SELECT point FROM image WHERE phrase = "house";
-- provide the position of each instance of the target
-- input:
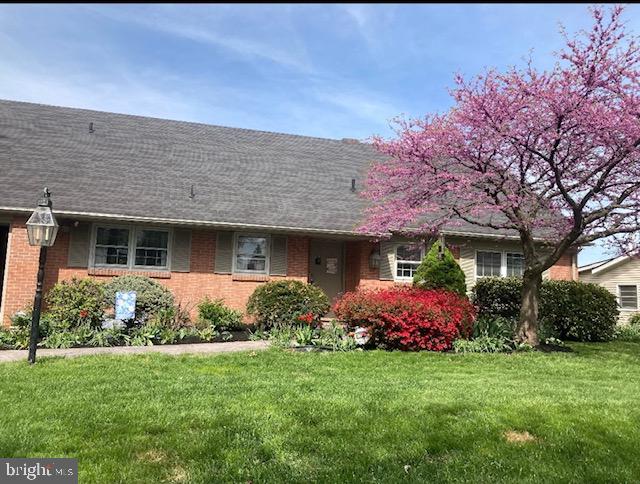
(205, 210)
(621, 277)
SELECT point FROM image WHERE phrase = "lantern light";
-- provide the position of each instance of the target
(42, 226)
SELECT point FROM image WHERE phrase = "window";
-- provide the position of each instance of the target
(515, 264)
(408, 259)
(251, 254)
(151, 248)
(488, 264)
(499, 264)
(628, 297)
(114, 247)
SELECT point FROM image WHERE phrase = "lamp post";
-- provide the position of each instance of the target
(42, 229)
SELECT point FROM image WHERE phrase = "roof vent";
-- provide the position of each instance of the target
(192, 193)
(90, 127)
(352, 141)
(353, 184)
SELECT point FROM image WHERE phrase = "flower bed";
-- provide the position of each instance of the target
(78, 314)
(408, 319)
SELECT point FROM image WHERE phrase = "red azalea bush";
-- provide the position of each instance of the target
(408, 319)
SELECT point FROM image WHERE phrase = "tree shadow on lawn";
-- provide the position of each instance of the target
(620, 351)
(551, 348)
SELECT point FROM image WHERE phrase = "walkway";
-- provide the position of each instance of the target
(196, 349)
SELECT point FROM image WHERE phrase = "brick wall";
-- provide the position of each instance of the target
(188, 287)
(359, 275)
(565, 269)
(191, 287)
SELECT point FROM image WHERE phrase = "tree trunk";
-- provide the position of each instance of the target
(527, 331)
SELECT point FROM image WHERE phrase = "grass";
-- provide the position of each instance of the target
(276, 416)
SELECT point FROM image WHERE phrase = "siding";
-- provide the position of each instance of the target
(468, 248)
(625, 273)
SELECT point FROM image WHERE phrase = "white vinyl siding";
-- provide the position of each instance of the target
(626, 273)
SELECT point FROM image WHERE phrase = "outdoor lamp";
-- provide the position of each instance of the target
(42, 229)
(42, 226)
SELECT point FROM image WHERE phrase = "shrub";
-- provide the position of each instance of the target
(440, 273)
(482, 344)
(494, 326)
(285, 302)
(635, 320)
(15, 337)
(408, 319)
(151, 297)
(333, 338)
(216, 314)
(172, 318)
(498, 296)
(336, 338)
(109, 337)
(21, 319)
(75, 303)
(579, 311)
(628, 332)
(568, 309)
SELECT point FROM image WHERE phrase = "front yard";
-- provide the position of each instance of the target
(376, 416)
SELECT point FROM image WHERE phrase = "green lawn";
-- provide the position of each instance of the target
(277, 416)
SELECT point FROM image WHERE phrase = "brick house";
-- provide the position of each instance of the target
(205, 210)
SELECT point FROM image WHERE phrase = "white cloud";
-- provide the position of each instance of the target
(96, 73)
(200, 26)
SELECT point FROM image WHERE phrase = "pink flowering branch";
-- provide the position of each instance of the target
(551, 156)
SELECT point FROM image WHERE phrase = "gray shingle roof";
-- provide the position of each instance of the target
(138, 167)
(144, 167)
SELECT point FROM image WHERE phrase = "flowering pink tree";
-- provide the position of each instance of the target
(551, 156)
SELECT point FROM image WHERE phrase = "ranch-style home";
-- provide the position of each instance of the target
(620, 276)
(205, 210)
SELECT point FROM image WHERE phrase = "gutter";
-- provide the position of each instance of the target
(227, 225)
(199, 223)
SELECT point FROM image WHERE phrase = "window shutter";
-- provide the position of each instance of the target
(387, 260)
(181, 251)
(278, 262)
(224, 253)
(79, 241)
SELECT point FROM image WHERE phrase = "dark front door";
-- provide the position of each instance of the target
(4, 236)
(326, 266)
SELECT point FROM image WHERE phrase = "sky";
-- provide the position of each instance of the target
(335, 71)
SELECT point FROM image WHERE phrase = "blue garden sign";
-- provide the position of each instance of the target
(125, 305)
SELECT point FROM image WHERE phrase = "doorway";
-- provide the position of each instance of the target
(4, 238)
(326, 268)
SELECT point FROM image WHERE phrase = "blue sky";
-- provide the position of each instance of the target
(337, 71)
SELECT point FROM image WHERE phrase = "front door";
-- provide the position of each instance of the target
(326, 266)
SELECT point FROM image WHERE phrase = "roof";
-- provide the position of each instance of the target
(139, 168)
(603, 265)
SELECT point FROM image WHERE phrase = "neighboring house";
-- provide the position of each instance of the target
(205, 210)
(621, 277)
